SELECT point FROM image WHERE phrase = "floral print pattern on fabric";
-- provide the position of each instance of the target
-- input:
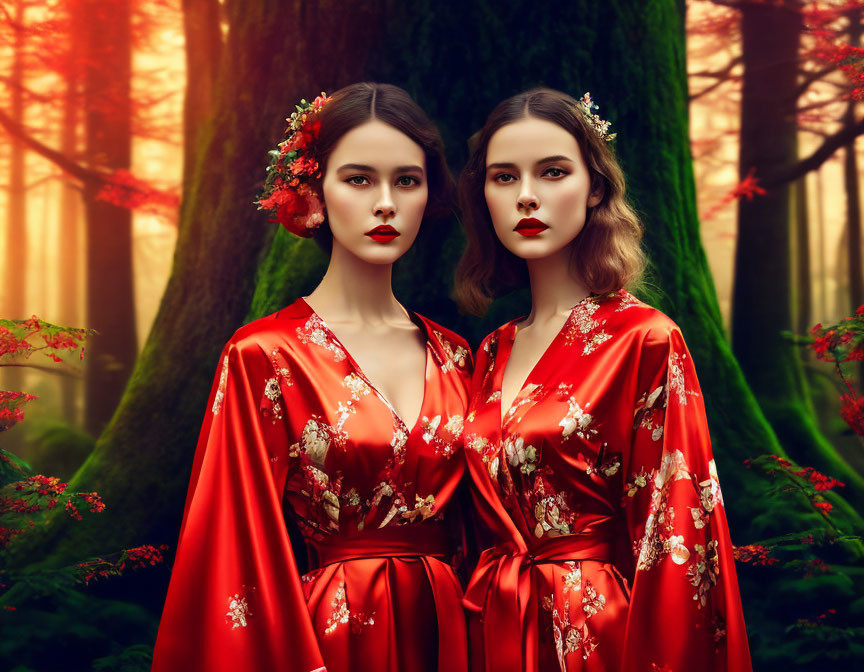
(316, 332)
(453, 356)
(582, 328)
(298, 432)
(238, 609)
(220, 389)
(606, 449)
(341, 614)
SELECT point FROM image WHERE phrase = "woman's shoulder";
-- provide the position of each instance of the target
(625, 313)
(278, 329)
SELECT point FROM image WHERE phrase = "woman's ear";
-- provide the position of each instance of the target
(598, 190)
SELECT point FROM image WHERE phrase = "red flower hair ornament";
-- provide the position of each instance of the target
(288, 192)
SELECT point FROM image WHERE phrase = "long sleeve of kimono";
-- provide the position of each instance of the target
(235, 600)
(685, 611)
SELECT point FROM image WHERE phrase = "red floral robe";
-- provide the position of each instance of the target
(601, 481)
(292, 420)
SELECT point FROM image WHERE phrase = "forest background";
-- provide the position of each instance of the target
(133, 140)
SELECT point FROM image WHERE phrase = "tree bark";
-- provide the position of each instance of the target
(803, 298)
(853, 197)
(108, 138)
(203, 50)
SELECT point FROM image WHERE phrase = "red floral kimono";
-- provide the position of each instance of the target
(600, 479)
(292, 420)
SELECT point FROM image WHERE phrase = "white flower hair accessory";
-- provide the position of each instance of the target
(601, 126)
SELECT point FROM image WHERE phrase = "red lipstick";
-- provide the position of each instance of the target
(383, 233)
(530, 227)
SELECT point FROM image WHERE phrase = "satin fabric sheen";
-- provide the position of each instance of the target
(291, 419)
(614, 549)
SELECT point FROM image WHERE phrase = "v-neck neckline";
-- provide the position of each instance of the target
(421, 324)
(509, 330)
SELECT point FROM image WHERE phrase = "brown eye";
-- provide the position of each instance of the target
(504, 178)
(554, 172)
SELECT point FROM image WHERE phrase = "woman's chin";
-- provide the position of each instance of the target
(381, 253)
(532, 248)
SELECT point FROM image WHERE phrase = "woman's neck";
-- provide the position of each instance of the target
(554, 288)
(354, 290)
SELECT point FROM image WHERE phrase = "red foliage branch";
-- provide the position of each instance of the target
(754, 554)
(131, 558)
(25, 497)
(841, 343)
(806, 480)
(39, 493)
(832, 48)
(124, 190)
(17, 344)
(10, 409)
(16, 335)
(746, 188)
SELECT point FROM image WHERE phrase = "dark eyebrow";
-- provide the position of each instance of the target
(548, 159)
(369, 169)
(357, 166)
(495, 166)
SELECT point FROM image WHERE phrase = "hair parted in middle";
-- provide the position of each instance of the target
(353, 105)
(606, 255)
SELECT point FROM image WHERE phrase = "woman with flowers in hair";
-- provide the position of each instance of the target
(586, 437)
(346, 409)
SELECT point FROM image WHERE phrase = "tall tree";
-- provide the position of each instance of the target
(850, 173)
(763, 291)
(853, 194)
(803, 297)
(16, 206)
(70, 199)
(203, 52)
(108, 147)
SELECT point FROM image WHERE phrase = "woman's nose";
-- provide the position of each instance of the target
(384, 205)
(527, 198)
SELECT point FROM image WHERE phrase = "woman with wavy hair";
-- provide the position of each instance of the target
(586, 436)
(343, 413)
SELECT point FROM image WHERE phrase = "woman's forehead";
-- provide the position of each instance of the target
(377, 144)
(530, 140)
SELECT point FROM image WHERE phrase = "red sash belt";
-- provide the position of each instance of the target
(428, 543)
(500, 589)
(428, 539)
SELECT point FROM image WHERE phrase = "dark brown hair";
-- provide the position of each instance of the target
(607, 253)
(356, 104)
